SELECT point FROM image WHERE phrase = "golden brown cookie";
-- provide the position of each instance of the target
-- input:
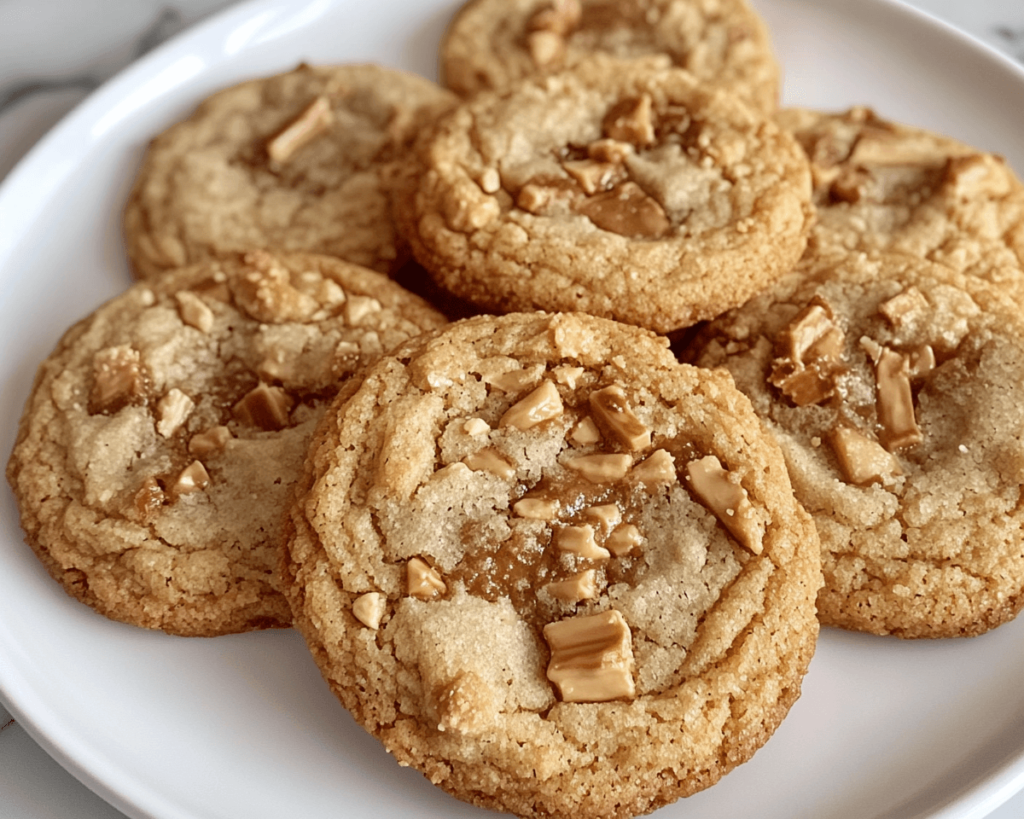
(894, 387)
(882, 185)
(553, 569)
(158, 450)
(297, 162)
(625, 190)
(491, 44)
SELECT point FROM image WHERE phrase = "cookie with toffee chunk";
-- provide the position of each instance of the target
(882, 185)
(894, 387)
(297, 162)
(491, 44)
(553, 569)
(158, 450)
(624, 190)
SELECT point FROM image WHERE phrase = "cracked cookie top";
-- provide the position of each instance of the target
(296, 162)
(159, 448)
(544, 562)
(625, 190)
(894, 387)
(493, 43)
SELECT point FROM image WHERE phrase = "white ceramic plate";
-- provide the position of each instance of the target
(243, 726)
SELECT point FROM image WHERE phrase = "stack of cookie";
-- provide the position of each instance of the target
(546, 562)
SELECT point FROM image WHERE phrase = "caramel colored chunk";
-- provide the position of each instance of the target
(422, 580)
(624, 539)
(194, 311)
(610, 150)
(536, 508)
(315, 120)
(657, 469)
(586, 432)
(476, 426)
(613, 413)
(568, 376)
(209, 442)
(921, 361)
(173, 410)
(579, 540)
(595, 177)
(466, 706)
(358, 308)
(490, 460)
(148, 499)
(607, 515)
(265, 407)
(905, 307)
(591, 657)
(582, 586)
(369, 609)
(895, 401)
(601, 468)
(626, 210)
(862, 460)
(515, 380)
(717, 490)
(810, 351)
(266, 292)
(543, 404)
(118, 379)
(630, 120)
(546, 47)
(193, 478)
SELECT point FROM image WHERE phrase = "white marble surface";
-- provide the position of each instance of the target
(52, 54)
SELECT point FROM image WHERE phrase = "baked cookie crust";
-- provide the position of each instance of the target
(158, 449)
(294, 162)
(893, 386)
(502, 564)
(624, 190)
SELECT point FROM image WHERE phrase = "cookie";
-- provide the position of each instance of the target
(553, 569)
(160, 444)
(882, 185)
(491, 44)
(624, 190)
(894, 386)
(294, 162)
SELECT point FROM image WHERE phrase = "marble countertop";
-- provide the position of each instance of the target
(53, 53)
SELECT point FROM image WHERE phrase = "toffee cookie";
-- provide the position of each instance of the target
(295, 162)
(880, 185)
(491, 44)
(624, 190)
(158, 450)
(894, 386)
(553, 569)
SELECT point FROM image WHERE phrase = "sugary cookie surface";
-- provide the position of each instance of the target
(882, 185)
(624, 190)
(161, 443)
(493, 43)
(544, 563)
(297, 162)
(893, 386)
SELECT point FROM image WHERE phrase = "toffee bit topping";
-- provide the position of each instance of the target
(568, 376)
(904, 308)
(602, 467)
(422, 580)
(536, 508)
(719, 491)
(810, 351)
(369, 609)
(862, 460)
(607, 516)
(586, 432)
(595, 177)
(657, 469)
(626, 210)
(591, 657)
(921, 361)
(543, 404)
(490, 460)
(896, 401)
(313, 122)
(173, 409)
(265, 407)
(118, 379)
(194, 311)
(476, 426)
(579, 540)
(209, 442)
(149, 498)
(624, 540)
(630, 120)
(613, 413)
(582, 586)
(193, 478)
